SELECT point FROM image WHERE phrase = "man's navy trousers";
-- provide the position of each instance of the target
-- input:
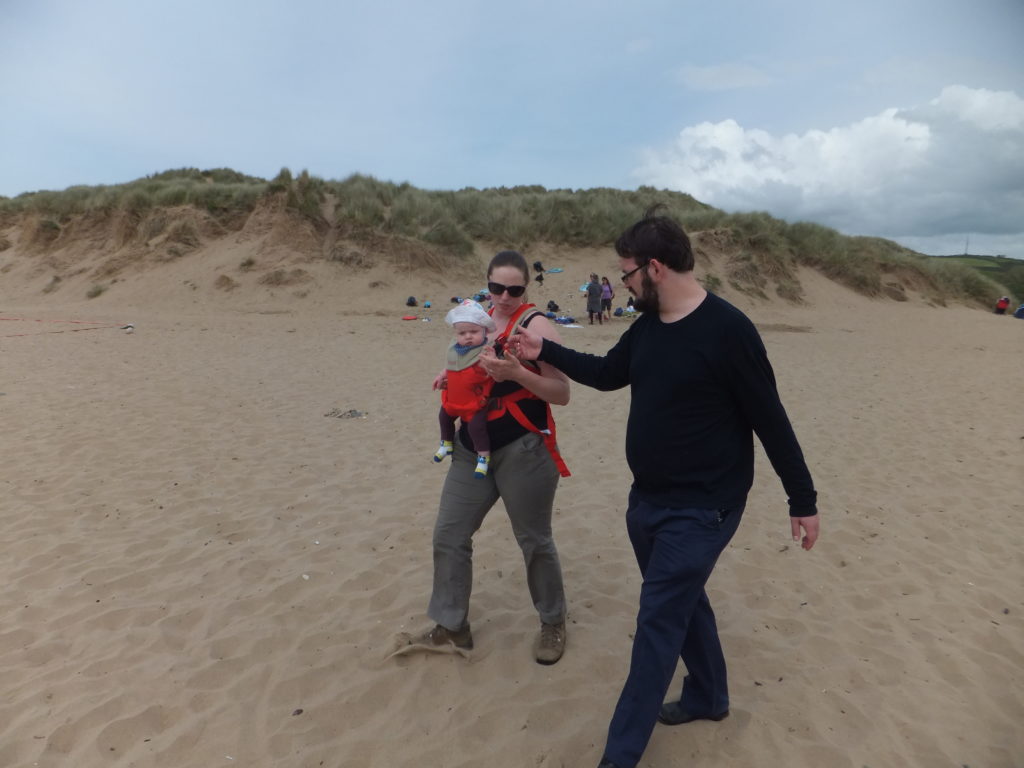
(676, 550)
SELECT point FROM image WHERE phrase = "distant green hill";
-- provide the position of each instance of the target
(1007, 272)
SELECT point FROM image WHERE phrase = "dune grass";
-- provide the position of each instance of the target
(362, 207)
(215, 190)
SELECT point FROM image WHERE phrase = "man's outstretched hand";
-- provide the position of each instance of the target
(525, 344)
(810, 526)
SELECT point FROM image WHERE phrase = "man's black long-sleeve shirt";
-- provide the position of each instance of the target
(700, 388)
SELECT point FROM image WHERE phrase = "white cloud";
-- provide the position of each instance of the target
(988, 111)
(722, 77)
(954, 165)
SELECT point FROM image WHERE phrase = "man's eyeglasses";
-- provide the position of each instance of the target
(627, 275)
(515, 291)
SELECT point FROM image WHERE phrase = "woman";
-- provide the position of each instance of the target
(594, 300)
(607, 294)
(524, 471)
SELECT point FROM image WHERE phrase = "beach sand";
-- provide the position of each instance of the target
(207, 557)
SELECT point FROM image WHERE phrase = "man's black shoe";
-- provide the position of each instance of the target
(607, 764)
(673, 714)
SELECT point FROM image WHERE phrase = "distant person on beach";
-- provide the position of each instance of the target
(523, 472)
(1002, 305)
(469, 385)
(594, 299)
(607, 294)
(701, 387)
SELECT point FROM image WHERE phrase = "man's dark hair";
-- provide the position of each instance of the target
(656, 236)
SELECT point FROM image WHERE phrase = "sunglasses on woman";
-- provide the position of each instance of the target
(515, 291)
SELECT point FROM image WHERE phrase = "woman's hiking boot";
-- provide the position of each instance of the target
(550, 643)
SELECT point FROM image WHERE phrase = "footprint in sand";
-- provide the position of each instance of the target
(406, 644)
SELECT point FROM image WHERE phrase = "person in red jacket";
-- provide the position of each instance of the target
(1002, 305)
(469, 385)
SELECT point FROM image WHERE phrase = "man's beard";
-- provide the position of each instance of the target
(647, 301)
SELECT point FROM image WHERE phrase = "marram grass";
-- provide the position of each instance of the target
(361, 206)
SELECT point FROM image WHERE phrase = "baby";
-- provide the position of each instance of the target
(469, 386)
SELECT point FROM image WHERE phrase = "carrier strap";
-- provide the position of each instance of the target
(510, 403)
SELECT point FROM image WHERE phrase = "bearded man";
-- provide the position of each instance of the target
(700, 386)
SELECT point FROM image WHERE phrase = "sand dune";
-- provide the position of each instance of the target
(204, 568)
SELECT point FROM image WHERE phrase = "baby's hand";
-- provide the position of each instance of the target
(441, 380)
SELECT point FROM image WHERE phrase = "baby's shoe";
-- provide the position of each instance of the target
(482, 462)
(444, 451)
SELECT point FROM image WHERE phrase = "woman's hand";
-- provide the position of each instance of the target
(507, 368)
(441, 380)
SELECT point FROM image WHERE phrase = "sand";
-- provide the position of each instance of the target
(207, 556)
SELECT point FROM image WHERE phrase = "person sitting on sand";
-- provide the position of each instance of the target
(1002, 305)
(469, 385)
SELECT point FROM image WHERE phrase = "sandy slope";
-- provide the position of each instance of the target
(202, 569)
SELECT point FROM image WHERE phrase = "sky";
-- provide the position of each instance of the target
(901, 119)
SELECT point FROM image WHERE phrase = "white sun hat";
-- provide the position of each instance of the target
(470, 311)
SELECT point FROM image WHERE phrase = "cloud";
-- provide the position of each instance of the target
(953, 165)
(722, 77)
(988, 111)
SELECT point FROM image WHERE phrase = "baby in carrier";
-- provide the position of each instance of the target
(469, 386)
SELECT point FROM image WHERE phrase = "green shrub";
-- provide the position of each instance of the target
(963, 282)
(137, 202)
(360, 213)
(306, 195)
(173, 195)
(447, 235)
(280, 183)
(360, 186)
(699, 221)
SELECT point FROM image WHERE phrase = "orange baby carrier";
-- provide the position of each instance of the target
(510, 403)
(468, 390)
